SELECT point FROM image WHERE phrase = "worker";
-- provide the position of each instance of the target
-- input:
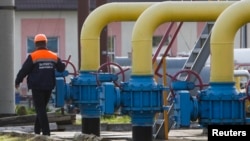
(40, 67)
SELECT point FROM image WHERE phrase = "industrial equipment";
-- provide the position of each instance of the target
(97, 92)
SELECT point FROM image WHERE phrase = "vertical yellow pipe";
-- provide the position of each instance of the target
(163, 12)
(222, 40)
(96, 21)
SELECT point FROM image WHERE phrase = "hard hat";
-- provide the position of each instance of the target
(40, 37)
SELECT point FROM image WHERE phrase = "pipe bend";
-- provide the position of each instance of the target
(163, 12)
(222, 40)
(96, 21)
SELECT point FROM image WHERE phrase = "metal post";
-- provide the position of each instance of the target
(103, 40)
(7, 58)
(142, 133)
(83, 12)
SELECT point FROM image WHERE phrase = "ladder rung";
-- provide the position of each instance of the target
(188, 65)
(159, 121)
(210, 23)
(196, 50)
(204, 36)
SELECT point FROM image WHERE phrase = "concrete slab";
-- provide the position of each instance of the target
(187, 134)
(174, 135)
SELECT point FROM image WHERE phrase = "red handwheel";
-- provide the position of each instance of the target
(188, 74)
(109, 68)
(68, 63)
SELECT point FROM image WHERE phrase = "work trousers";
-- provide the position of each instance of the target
(40, 100)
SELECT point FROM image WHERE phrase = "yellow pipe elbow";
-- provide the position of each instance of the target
(222, 40)
(96, 21)
(162, 12)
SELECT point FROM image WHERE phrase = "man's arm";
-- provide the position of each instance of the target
(60, 66)
(24, 71)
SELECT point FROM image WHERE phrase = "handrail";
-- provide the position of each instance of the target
(167, 50)
(164, 38)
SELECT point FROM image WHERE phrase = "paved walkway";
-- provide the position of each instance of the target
(174, 135)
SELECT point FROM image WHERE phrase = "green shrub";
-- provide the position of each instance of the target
(21, 110)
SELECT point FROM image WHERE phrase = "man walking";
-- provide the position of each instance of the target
(39, 67)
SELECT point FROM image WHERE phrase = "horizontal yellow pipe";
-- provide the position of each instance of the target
(222, 40)
(168, 11)
(96, 21)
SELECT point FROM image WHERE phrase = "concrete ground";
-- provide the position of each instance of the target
(123, 132)
(115, 132)
(174, 135)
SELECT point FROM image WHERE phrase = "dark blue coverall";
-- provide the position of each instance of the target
(39, 67)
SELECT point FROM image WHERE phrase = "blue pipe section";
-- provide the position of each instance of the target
(83, 91)
(109, 98)
(85, 94)
(140, 98)
(219, 104)
(185, 109)
(222, 104)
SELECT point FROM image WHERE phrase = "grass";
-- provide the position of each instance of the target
(12, 136)
(109, 119)
(112, 119)
(9, 138)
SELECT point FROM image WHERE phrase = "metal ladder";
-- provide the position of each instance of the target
(158, 124)
(201, 50)
(195, 62)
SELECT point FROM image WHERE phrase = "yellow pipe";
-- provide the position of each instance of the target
(162, 12)
(222, 40)
(96, 21)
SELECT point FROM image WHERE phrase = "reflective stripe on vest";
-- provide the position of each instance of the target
(43, 55)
